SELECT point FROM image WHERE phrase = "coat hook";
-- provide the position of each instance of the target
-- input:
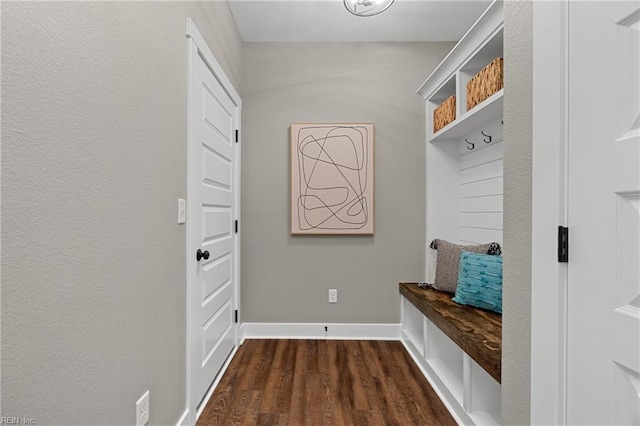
(486, 136)
(473, 145)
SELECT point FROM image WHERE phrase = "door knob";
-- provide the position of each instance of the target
(202, 254)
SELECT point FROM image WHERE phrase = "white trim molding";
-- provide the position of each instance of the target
(549, 196)
(468, 45)
(257, 330)
(210, 59)
(184, 419)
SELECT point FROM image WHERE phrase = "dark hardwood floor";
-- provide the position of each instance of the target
(324, 382)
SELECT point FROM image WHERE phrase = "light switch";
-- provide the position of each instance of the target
(182, 210)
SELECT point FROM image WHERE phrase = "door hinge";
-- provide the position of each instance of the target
(237, 136)
(236, 226)
(563, 244)
(236, 314)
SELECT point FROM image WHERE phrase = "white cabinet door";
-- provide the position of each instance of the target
(603, 377)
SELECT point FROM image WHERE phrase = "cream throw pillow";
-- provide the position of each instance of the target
(448, 261)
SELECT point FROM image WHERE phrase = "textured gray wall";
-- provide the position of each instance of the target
(516, 318)
(93, 160)
(285, 278)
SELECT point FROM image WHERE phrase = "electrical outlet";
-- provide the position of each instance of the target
(142, 410)
(333, 295)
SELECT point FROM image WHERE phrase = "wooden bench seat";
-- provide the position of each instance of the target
(476, 331)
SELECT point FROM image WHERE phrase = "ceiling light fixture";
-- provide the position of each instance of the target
(367, 7)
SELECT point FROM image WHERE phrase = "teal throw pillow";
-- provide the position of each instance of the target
(480, 281)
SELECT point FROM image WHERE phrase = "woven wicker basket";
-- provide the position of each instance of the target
(444, 114)
(484, 84)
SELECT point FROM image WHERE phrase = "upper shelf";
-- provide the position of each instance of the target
(476, 49)
(480, 43)
(489, 110)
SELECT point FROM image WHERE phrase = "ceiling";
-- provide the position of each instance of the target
(329, 21)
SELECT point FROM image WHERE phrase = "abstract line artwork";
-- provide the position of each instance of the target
(332, 178)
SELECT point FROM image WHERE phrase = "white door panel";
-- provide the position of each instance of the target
(217, 170)
(218, 273)
(604, 221)
(218, 108)
(221, 196)
(218, 249)
(216, 223)
(213, 304)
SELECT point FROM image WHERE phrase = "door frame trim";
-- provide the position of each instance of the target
(196, 46)
(549, 279)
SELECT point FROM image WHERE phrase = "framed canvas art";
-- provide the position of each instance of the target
(332, 179)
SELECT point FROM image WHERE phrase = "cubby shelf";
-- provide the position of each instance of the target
(487, 111)
(464, 185)
(451, 375)
(466, 387)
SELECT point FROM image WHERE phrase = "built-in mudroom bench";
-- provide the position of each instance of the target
(459, 347)
(459, 350)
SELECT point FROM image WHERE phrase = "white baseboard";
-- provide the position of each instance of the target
(258, 330)
(184, 420)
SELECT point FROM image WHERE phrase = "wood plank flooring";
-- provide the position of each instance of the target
(323, 382)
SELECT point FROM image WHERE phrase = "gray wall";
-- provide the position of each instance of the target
(516, 318)
(93, 160)
(94, 157)
(285, 278)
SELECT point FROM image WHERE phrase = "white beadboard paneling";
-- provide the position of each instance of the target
(481, 172)
(488, 203)
(481, 185)
(481, 220)
(482, 154)
(482, 188)
(480, 235)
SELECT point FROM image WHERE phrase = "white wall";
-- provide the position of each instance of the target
(516, 318)
(93, 161)
(286, 278)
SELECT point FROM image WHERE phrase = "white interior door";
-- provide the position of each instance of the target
(603, 376)
(212, 293)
